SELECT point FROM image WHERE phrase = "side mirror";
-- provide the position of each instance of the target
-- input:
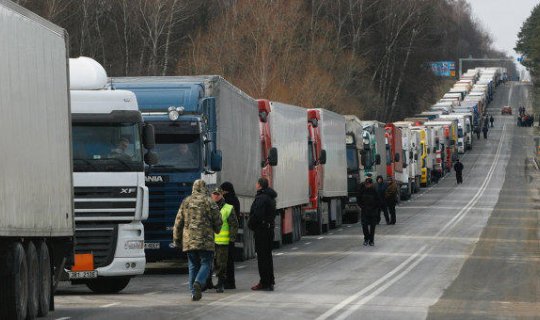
(396, 157)
(149, 140)
(151, 158)
(377, 159)
(322, 157)
(216, 160)
(416, 157)
(273, 157)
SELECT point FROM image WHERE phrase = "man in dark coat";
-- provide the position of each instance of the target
(491, 120)
(370, 203)
(458, 168)
(381, 189)
(230, 198)
(485, 131)
(391, 197)
(261, 221)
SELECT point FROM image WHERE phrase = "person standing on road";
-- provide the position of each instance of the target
(230, 198)
(228, 232)
(491, 120)
(391, 197)
(370, 203)
(458, 168)
(381, 189)
(485, 131)
(261, 221)
(197, 220)
(477, 131)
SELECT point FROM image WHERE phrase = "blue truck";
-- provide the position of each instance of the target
(204, 128)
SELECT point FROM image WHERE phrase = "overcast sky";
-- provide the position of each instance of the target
(503, 19)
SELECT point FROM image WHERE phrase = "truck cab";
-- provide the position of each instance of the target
(315, 214)
(111, 199)
(395, 165)
(185, 141)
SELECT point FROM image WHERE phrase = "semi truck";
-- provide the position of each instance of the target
(36, 189)
(464, 132)
(394, 153)
(410, 179)
(447, 142)
(374, 142)
(205, 128)
(284, 147)
(327, 170)
(355, 145)
(111, 198)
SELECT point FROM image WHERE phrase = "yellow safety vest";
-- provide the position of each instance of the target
(223, 238)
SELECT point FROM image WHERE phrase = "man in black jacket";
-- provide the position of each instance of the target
(458, 168)
(370, 203)
(261, 221)
(231, 198)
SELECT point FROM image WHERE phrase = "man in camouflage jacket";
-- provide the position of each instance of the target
(197, 220)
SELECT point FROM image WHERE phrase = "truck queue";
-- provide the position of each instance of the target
(116, 205)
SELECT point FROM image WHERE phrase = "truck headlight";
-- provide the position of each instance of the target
(134, 245)
(173, 113)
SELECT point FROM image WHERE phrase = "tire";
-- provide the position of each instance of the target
(44, 280)
(14, 285)
(108, 284)
(316, 227)
(32, 263)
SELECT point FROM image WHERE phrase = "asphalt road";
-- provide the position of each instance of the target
(467, 252)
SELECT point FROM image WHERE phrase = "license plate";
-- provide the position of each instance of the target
(82, 275)
(151, 245)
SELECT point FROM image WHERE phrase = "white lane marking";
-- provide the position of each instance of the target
(63, 318)
(307, 243)
(319, 238)
(420, 253)
(240, 267)
(279, 254)
(110, 305)
(349, 226)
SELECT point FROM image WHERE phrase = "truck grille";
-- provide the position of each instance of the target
(105, 203)
(98, 239)
(165, 199)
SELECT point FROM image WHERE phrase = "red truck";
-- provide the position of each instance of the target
(394, 152)
(327, 180)
(284, 146)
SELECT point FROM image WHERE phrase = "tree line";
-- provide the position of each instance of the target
(528, 44)
(365, 57)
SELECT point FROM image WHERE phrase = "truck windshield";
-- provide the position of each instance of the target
(352, 159)
(177, 152)
(107, 147)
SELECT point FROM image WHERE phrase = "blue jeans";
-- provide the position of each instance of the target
(200, 266)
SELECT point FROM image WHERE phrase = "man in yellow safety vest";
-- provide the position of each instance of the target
(227, 235)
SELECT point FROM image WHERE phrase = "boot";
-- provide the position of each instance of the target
(219, 287)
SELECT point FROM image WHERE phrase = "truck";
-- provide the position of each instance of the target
(354, 148)
(36, 193)
(111, 198)
(395, 165)
(410, 179)
(327, 170)
(464, 130)
(374, 142)
(436, 142)
(205, 128)
(423, 161)
(284, 147)
(447, 142)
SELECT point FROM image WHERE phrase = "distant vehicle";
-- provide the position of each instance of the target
(506, 110)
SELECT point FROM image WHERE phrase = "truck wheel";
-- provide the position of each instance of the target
(14, 285)
(108, 284)
(45, 280)
(32, 263)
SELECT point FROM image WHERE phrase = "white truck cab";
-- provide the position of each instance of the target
(111, 198)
